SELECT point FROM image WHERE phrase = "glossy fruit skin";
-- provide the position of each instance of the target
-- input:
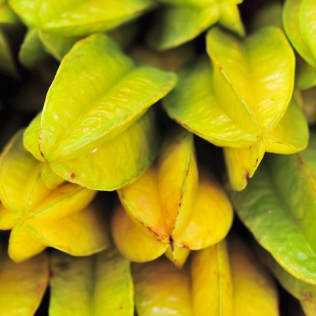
(171, 208)
(240, 103)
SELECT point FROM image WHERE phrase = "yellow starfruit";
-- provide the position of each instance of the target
(40, 217)
(230, 281)
(171, 209)
(94, 129)
(162, 289)
(242, 102)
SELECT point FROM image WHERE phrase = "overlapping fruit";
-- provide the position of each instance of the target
(189, 110)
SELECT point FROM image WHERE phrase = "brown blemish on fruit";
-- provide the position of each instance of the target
(247, 177)
(72, 176)
(51, 274)
(307, 297)
(297, 221)
(152, 231)
(171, 243)
(40, 145)
(121, 306)
(185, 246)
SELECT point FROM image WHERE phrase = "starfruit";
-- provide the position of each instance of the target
(299, 18)
(8, 24)
(98, 285)
(22, 285)
(182, 20)
(171, 208)
(40, 217)
(304, 292)
(55, 27)
(242, 103)
(279, 208)
(162, 289)
(230, 281)
(94, 129)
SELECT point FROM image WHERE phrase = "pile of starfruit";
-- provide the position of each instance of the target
(190, 110)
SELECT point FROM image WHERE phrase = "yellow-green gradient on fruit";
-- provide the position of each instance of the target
(173, 29)
(279, 208)
(170, 208)
(227, 280)
(304, 292)
(241, 101)
(162, 289)
(94, 129)
(40, 217)
(22, 286)
(299, 21)
(97, 285)
(71, 18)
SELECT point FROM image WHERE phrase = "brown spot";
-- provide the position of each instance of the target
(247, 177)
(187, 172)
(171, 243)
(185, 246)
(180, 204)
(40, 145)
(72, 176)
(121, 306)
(220, 67)
(297, 221)
(152, 231)
(307, 297)
(51, 274)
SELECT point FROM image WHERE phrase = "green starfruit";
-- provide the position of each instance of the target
(182, 21)
(56, 27)
(40, 217)
(279, 208)
(171, 209)
(94, 129)
(8, 25)
(98, 285)
(304, 292)
(242, 103)
(299, 21)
